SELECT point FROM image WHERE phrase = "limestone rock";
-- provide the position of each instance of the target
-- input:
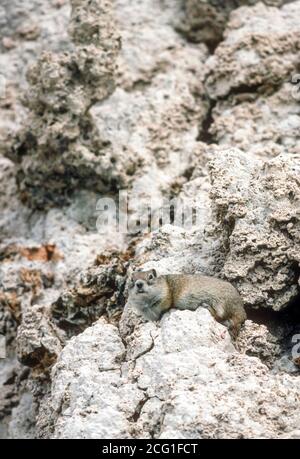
(186, 381)
(260, 49)
(22, 424)
(26, 29)
(154, 116)
(99, 291)
(256, 205)
(264, 126)
(60, 146)
(205, 20)
(95, 404)
(38, 342)
(160, 115)
(256, 340)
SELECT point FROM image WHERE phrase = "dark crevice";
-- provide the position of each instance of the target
(291, 314)
(239, 94)
(149, 349)
(211, 44)
(244, 89)
(283, 325)
(136, 415)
(204, 134)
(246, 92)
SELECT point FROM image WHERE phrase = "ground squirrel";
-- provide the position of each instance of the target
(152, 296)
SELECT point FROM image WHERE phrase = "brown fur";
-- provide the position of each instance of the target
(152, 296)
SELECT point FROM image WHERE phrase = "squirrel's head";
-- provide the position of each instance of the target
(142, 281)
(146, 291)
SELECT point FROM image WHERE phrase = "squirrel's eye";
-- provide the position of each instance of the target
(150, 277)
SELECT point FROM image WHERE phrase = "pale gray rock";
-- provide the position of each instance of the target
(124, 377)
(38, 342)
(256, 340)
(251, 237)
(154, 115)
(260, 49)
(95, 404)
(28, 21)
(26, 29)
(205, 20)
(256, 205)
(157, 109)
(186, 381)
(59, 147)
(23, 417)
(13, 216)
(150, 43)
(264, 126)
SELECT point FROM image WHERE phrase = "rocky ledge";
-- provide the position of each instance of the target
(189, 100)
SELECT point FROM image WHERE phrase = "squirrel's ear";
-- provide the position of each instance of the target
(154, 272)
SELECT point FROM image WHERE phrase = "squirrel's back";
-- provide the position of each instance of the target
(153, 296)
(218, 296)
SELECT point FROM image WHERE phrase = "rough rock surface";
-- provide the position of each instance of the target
(60, 148)
(157, 103)
(167, 384)
(127, 138)
(261, 48)
(252, 234)
(257, 211)
(99, 291)
(205, 20)
(264, 126)
(27, 28)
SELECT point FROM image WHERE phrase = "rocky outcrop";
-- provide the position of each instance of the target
(264, 126)
(249, 229)
(23, 419)
(260, 50)
(167, 384)
(257, 213)
(206, 20)
(202, 114)
(127, 136)
(154, 116)
(99, 292)
(27, 28)
(38, 342)
(60, 147)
